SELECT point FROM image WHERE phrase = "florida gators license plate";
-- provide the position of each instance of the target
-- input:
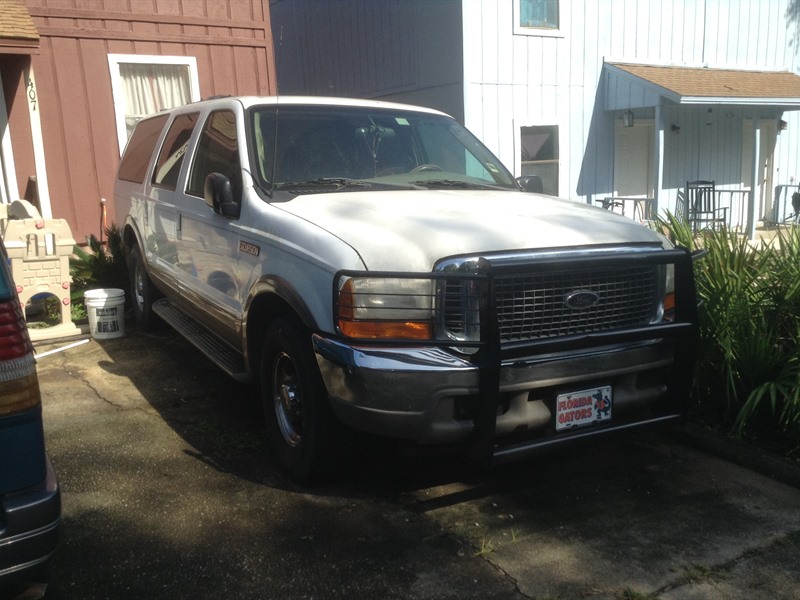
(578, 409)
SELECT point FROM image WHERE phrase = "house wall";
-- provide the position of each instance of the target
(230, 40)
(407, 51)
(514, 80)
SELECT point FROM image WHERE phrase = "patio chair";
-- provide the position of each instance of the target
(702, 205)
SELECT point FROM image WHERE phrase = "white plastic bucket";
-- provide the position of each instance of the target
(106, 311)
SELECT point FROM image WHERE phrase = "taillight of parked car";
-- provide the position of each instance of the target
(19, 386)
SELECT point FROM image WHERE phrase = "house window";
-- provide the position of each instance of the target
(539, 155)
(143, 85)
(538, 14)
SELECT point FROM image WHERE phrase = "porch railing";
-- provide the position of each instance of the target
(734, 201)
(782, 209)
(638, 209)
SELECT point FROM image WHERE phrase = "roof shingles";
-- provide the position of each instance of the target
(718, 83)
(16, 23)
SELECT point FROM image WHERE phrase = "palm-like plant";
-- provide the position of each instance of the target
(748, 372)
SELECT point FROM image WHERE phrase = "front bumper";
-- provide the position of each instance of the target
(424, 394)
(29, 528)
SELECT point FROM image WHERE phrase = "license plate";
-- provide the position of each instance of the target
(578, 409)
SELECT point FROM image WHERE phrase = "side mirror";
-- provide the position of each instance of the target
(218, 194)
(531, 183)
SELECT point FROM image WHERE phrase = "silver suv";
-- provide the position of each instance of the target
(373, 266)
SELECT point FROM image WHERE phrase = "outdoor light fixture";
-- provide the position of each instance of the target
(782, 125)
(627, 118)
(676, 129)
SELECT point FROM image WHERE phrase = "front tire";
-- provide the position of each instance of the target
(303, 431)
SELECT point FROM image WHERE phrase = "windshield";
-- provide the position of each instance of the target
(304, 147)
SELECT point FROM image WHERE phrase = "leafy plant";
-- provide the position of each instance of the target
(98, 265)
(748, 376)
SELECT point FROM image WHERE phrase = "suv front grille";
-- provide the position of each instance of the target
(533, 306)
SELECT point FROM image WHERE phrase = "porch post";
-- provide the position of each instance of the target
(658, 153)
(755, 174)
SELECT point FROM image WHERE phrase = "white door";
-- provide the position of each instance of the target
(633, 163)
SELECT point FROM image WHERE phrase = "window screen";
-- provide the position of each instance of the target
(150, 88)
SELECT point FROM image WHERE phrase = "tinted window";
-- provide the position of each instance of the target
(217, 152)
(133, 166)
(170, 159)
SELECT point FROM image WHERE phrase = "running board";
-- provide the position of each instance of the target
(216, 350)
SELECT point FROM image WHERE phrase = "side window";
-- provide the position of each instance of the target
(133, 166)
(217, 152)
(173, 150)
(540, 155)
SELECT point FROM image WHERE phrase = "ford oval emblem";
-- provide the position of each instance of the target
(581, 299)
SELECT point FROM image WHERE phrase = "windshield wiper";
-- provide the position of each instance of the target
(455, 183)
(337, 183)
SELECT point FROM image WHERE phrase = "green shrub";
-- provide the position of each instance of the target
(98, 265)
(748, 373)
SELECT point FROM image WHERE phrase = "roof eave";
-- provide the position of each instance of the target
(19, 46)
(733, 101)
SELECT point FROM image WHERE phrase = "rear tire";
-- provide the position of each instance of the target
(308, 441)
(142, 292)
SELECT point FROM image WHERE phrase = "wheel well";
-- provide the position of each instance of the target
(129, 239)
(262, 311)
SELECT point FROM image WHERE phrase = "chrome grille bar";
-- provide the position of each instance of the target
(533, 305)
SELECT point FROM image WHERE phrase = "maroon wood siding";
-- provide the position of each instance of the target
(230, 40)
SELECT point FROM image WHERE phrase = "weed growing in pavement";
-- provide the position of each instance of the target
(629, 594)
(702, 574)
(487, 547)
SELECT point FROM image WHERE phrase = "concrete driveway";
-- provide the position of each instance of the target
(169, 492)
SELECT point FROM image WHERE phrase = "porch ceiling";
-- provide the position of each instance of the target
(648, 85)
(18, 34)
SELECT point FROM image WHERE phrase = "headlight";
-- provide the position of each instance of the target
(385, 308)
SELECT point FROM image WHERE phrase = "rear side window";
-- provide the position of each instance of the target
(133, 166)
(173, 150)
(217, 152)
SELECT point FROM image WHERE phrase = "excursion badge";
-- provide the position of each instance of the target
(249, 248)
